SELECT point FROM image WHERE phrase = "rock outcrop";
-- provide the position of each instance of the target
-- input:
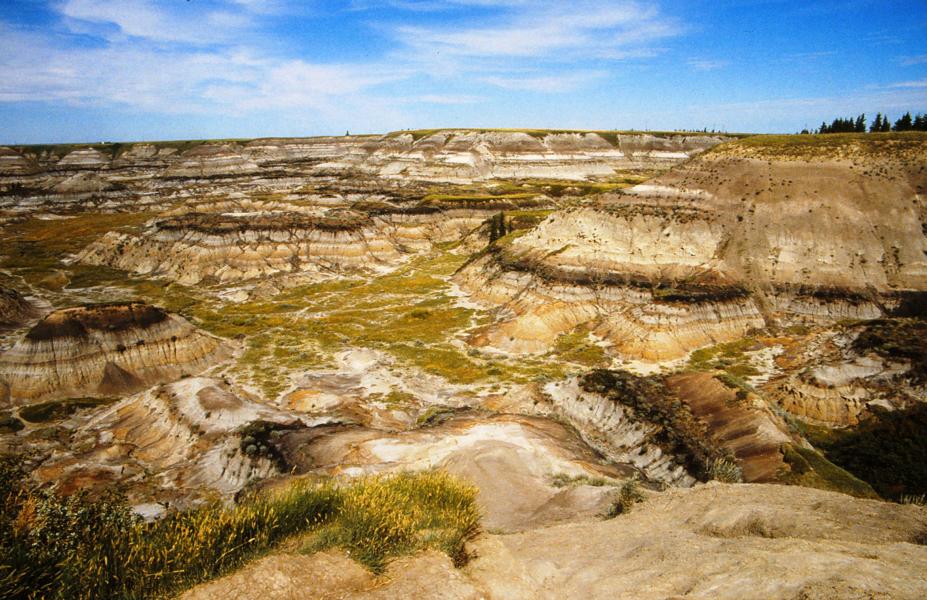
(245, 240)
(718, 542)
(14, 308)
(738, 237)
(104, 350)
(176, 442)
(132, 176)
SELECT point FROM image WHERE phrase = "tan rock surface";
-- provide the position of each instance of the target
(715, 542)
(715, 247)
(105, 350)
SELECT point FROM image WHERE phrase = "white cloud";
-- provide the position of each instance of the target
(707, 65)
(544, 30)
(187, 23)
(558, 83)
(920, 83)
(447, 99)
(914, 60)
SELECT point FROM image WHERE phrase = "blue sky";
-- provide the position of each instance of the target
(87, 70)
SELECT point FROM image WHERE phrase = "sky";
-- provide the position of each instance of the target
(122, 70)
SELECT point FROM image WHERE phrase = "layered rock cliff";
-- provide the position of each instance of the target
(130, 176)
(104, 350)
(244, 240)
(747, 234)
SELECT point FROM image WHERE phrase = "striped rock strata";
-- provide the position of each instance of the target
(725, 243)
(259, 240)
(104, 350)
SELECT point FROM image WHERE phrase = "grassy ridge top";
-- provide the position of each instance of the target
(830, 145)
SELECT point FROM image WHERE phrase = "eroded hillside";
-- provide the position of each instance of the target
(547, 315)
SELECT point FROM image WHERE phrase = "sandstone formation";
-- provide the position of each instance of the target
(145, 174)
(512, 460)
(742, 424)
(104, 350)
(741, 236)
(176, 442)
(846, 374)
(245, 240)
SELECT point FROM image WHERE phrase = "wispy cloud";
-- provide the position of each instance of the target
(914, 60)
(187, 23)
(556, 83)
(920, 83)
(707, 65)
(547, 29)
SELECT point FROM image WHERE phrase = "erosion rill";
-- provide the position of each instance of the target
(652, 327)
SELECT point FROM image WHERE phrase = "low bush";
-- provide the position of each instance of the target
(628, 495)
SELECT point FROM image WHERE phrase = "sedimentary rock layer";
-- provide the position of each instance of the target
(724, 243)
(131, 176)
(104, 350)
(235, 241)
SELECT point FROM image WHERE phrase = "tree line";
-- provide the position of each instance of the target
(880, 124)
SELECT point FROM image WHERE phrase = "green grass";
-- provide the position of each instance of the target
(894, 144)
(115, 149)
(576, 347)
(730, 357)
(810, 468)
(83, 548)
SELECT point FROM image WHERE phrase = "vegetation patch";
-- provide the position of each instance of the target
(9, 423)
(810, 468)
(259, 439)
(628, 495)
(730, 357)
(887, 450)
(59, 409)
(378, 518)
(576, 347)
(678, 431)
(81, 547)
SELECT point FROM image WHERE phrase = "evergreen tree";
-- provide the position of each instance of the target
(876, 124)
(860, 125)
(920, 122)
(886, 124)
(905, 123)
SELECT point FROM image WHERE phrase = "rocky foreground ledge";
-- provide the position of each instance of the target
(713, 542)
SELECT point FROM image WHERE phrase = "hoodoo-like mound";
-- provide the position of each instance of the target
(14, 308)
(104, 350)
(751, 232)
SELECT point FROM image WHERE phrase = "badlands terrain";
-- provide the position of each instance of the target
(670, 364)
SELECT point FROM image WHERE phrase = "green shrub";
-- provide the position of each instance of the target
(725, 470)
(628, 495)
